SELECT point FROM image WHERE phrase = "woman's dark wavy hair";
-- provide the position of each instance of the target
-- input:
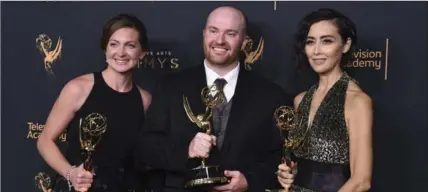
(346, 29)
(123, 21)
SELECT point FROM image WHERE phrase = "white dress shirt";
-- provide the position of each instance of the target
(231, 77)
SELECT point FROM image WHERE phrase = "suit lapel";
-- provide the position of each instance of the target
(238, 105)
(195, 82)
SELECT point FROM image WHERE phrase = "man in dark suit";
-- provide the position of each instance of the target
(246, 142)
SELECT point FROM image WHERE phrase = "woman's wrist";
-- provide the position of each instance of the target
(68, 173)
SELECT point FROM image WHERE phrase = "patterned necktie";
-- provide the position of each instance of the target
(220, 83)
(218, 114)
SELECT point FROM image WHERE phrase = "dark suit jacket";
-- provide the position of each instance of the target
(252, 143)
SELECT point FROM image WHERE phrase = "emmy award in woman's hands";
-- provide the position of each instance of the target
(205, 175)
(90, 132)
(285, 118)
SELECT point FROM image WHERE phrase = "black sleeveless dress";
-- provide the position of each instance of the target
(113, 161)
(323, 157)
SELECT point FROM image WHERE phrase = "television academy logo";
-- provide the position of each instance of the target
(35, 129)
(371, 58)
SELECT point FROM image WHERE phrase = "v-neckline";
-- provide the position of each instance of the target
(322, 103)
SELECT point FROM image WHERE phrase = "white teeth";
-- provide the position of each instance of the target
(319, 61)
(219, 50)
(121, 60)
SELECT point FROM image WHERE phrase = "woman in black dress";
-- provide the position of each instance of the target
(107, 99)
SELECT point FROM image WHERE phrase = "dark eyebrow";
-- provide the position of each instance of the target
(322, 37)
(327, 36)
(116, 41)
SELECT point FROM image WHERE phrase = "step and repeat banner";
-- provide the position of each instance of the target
(45, 44)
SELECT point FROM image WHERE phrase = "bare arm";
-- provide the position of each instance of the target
(298, 99)
(147, 98)
(69, 101)
(359, 120)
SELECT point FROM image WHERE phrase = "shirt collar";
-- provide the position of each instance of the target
(231, 77)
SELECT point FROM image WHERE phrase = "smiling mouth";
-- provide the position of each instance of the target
(318, 61)
(219, 50)
(122, 61)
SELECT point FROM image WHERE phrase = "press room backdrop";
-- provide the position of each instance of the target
(45, 44)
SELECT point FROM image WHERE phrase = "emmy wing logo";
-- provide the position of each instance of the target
(43, 182)
(44, 44)
(251, 56)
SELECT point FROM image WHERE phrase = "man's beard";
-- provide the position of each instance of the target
(225, 61)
